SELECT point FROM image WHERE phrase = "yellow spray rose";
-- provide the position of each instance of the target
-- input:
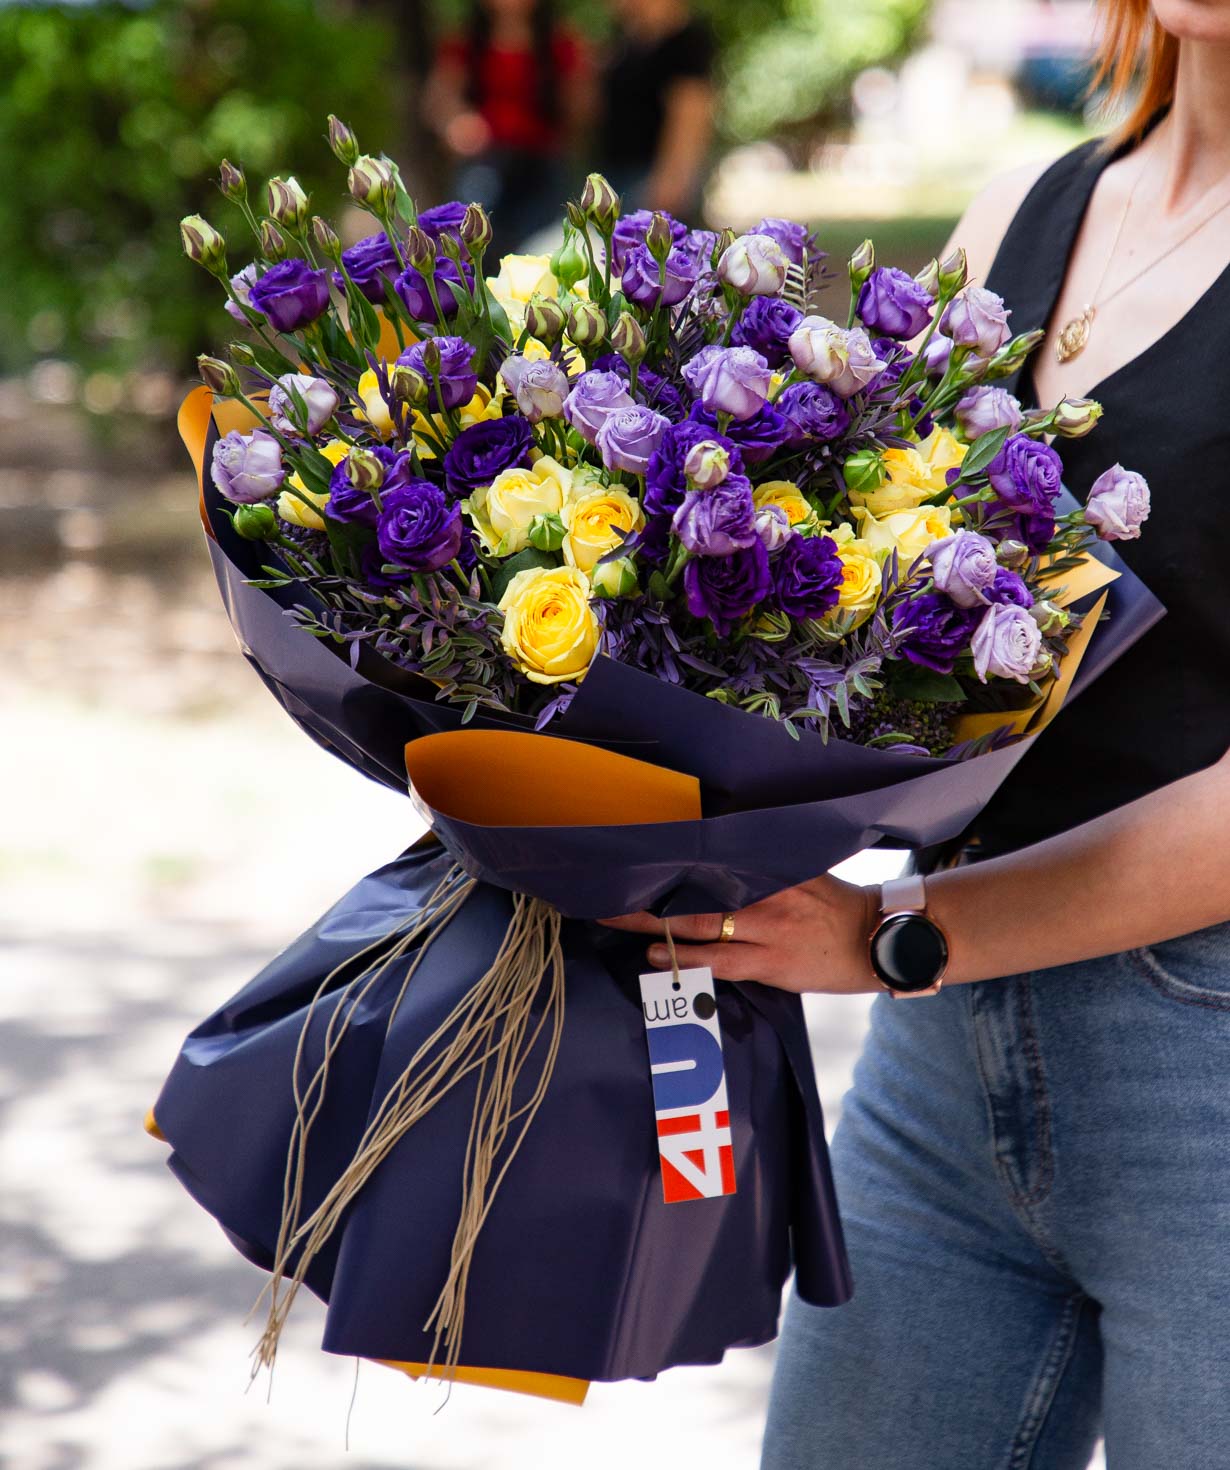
(503, 511)
(787, 496)
(906, 484)
(291, 508)
(860, 580)
(519, 278)
(372, 409)
(596, 523)
(907, 532)
(942, 452)
(550, 631)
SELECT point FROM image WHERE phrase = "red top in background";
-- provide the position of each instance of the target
(508, 89)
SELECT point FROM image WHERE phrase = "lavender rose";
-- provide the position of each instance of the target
(316, 405)
(539, 386)
(812, 411)
(643, 281)
(753, 265)
(894, 303)
(479, 453)
(291, 294)
(726, 588)
(248, 467)
(1009, 586)
(371, 263)
(977, 318)
(982, 410)
(794, 238)
(1118, 504)
(458, 379)
(1026, 475)
(242, 284)
(765, 326)
(936, 631)
(937, 354)
(841, 357)
(1006, 643)
(733, 380)
(452, 283)
(594, 397)
(656, 392)
(963, 565)
(807, 576)
(418, 528)
(629, 436)
(717, 522)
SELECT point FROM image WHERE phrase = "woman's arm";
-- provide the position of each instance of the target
(1152, 870)
(687, 130)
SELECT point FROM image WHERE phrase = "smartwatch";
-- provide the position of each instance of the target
(908, 950)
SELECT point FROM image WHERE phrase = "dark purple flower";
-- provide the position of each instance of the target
(812, 411)
(346, 503)
(643, 281)
(795, 239)
(759, 437)
(1036, 531)
(442, 219)
(458, 380)
(1008, 586)
(631, 230)
(726, 588)
(291, 294)
(937, 631)
(451, 282)
(718, 521)
(894, 303)
(765, 326)
(479, 453)
(371, 263)
(1026, 475)
(666, 482)
(655, 392)
(629, 436)
(807, 576)
(418, 527)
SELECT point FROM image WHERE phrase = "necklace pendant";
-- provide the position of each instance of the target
(1072, 338)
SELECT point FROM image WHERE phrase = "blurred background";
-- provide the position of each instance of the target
(164, 828)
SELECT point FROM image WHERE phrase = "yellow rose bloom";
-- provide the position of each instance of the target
(372, 409)
(907, 532)
(860, 581)
(503, 511)
(788, 497)
(907, 484)
(550, 631)
(291, 508)
(597, 523)
(519, 278)
(942, 452)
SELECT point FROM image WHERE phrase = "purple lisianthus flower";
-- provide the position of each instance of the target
(982, 410)
(452, 281)
(1009, 586)
(937, 355)
(1118, 504)
(594, 397)
(936, 631)
(812, 411)
(1006, 643)
(963, 565)
(765, 326)
(700, 244)
(442, 219)
(657, 392)
(894, 303)
(242, 283)
(644, 283)
(666, 482)
(631, 231)
(458, 380)
(733, 380)
(316, 405)
(977, 318)
(773, 527)
(1036, 530)
(1026, 475)
(629, 436)
(807, 576)
(479, 453)
(539, 386)
(348, 503)
(291, 294)
(759, 437)
(795, 239)
(726, 588)
(248, 467)
(418, 528)
(718, 521)
(371, 263)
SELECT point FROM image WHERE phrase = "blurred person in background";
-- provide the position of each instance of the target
(510, 97)
(658, 105)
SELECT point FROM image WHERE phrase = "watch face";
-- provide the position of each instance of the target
(908, 952)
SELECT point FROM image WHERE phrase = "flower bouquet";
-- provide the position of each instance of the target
(655, 588)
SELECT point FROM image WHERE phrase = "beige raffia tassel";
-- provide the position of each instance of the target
(488, 1031)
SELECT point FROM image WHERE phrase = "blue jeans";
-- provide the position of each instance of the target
(1034, 1175)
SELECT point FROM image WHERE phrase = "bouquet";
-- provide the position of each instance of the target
(655, 588)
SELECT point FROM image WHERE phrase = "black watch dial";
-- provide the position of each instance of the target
(908, 952)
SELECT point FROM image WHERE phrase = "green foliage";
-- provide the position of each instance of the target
(112, 122)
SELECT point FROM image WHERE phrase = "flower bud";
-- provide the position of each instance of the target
(547, 531)
(326, 239)
(1044, 665)
(421, 251)
(628, 339)
(255, 522)
(364, 470)
(1076, 417)
(568, 264)
(862, 263)
(574, 215)
(707, 465)
(953, 272)
(409, 385)
(658, 237)
(1012, 554)
(232, 182)
(288, 204)
(343, 142)
(615, 578)
(545, 319)
(1013, 353)
(863, 472)
(600, 202)
(429, 355)
(929, 278)
(754, 265)
(725, 239)
(218, 376)
(203, 244)
(371, 184)
(476, 229)
(773, 527)
(273, 242)
(1050, 617)
(241, 353)
(587, 324)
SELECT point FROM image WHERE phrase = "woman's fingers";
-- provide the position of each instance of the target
(727, 961)
(703, 928)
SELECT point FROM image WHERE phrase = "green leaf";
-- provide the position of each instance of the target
(912, 681)
(982, 452)
(522, 562)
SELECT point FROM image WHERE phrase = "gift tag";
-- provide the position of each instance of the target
(689, 1085)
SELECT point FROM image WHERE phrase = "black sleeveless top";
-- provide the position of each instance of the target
(1163, 710)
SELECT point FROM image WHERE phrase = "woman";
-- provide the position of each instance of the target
(1034, 1171)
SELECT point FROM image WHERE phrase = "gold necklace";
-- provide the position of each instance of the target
(1074, 335)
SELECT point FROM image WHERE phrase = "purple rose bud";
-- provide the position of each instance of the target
(291, 294)
(717, 522)
(812, 411)
(795, 239)
(594, 397)
(733, 380)
(301, 404)
(726, 588)
(1026, 474)
(982, 410)
(707, 464)
(843, 358)
(773, 527)
(539, 387)
(1009, 586)
(479, 453)
(458, 380)
(452, 283)
(1118, 504)
(935, 632)
(1006, 643)
(418, 528)
(629, 436)
(248, 467)
(372, 265)
(765, 326)
(807, 576)
(644, 283)
(977, 318)
(242, 284)
(753, 265)
(894, 304)
(937, 354)
(963, 565)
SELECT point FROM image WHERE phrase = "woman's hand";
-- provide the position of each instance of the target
(813, 937)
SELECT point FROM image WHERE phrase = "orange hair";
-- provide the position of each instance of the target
(1133, 45)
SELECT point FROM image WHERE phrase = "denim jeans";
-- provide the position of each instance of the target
(1034, 1175)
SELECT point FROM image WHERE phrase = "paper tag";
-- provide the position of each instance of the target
(689, 1085)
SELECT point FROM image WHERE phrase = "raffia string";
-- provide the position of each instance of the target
(488, 1031)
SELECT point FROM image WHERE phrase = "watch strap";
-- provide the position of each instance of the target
(904, 895)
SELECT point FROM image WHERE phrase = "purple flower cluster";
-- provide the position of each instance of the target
(291, 294)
